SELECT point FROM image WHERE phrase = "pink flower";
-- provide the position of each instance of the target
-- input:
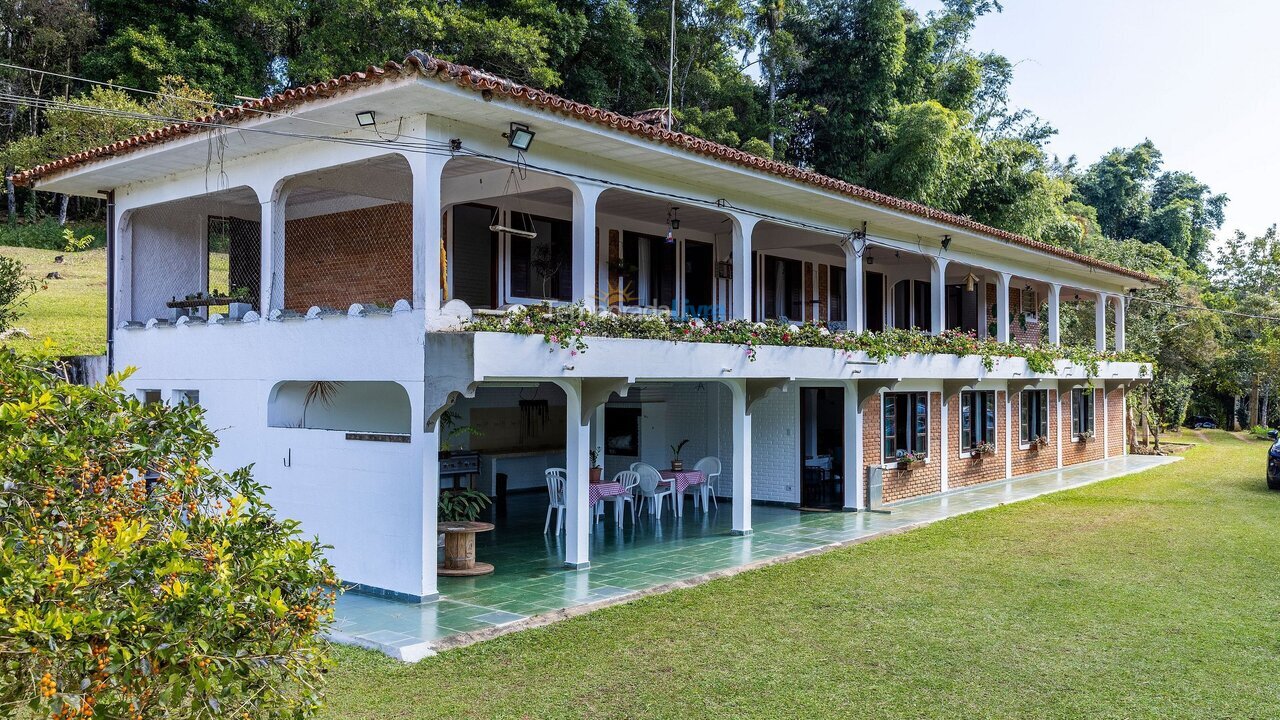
(554, 338)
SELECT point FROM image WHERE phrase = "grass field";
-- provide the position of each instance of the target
(73, 311)
(1155, 595)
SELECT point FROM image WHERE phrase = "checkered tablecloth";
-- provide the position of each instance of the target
(599, 491)
(684, 478)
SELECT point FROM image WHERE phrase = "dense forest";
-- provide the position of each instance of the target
(865, 90)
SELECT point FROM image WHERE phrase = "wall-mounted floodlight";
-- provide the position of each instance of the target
(946, 241)
(365, 118)
(519, 137)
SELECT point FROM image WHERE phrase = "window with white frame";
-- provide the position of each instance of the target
(977, 419)
(1035, 416)
(1030, 301)
(906, 425)
(1081, 412)
(149, 397)
(185, 397)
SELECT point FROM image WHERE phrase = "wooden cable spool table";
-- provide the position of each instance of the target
(460, 549)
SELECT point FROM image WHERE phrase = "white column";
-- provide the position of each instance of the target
(852, 448)
(740, 292)
(1009, 437)
(430, 500)
(1100, 323)
(741, 459)
(854, 290)
(1122, 306)
(1057, 408)
(1002, 306)
(577, 542)
(427, 229)
(271, 263)
(944, 446)
(1055, 325)
(585, 196)
(938, 288)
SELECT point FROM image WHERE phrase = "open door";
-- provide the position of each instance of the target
(821, 448)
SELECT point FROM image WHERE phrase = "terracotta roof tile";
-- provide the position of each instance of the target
(490, 84)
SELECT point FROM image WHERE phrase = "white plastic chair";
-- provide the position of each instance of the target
(556, 478)
(710, 468)
(654, 488)
(629, 480)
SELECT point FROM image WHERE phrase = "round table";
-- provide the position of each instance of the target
(460, 549)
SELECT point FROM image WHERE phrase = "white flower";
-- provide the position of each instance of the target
(696, 323)
(793, 328)
(760, 326)
(824, 331)
(517, 310)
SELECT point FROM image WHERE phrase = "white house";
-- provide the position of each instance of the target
(349, 212)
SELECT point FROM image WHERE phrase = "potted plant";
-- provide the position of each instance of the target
(1085, 436)
(457, 512)
(676, 464)
(908, 460)
(596, 469)
(983, 448)
(1039, 441)
(240, 303)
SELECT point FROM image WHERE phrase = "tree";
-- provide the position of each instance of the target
(135, 580)
(930, 155)
(15, 287)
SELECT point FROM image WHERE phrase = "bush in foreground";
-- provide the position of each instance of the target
(135, 581)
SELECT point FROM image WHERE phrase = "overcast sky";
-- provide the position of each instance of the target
(1201, 79)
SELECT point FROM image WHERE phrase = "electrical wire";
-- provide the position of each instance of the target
(1230, 313)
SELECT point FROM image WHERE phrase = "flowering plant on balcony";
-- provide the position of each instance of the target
(569, 327)
(908, 459)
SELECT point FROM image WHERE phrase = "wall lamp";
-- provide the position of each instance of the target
(946, 241)
(519, 137)
(365, 118)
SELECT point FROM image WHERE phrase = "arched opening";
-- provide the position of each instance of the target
(367, 406)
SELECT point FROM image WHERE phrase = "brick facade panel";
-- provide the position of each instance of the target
(964, 471)
(1032, 459)
(923, 478)
(1116, 430)
(1074, 453)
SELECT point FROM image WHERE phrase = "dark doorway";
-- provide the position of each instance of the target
(874, 302)
(699, 277)
(962, 309)
(821, 448)
(472, 261)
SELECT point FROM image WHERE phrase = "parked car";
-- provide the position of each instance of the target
(1273, 461)
(1202, 422)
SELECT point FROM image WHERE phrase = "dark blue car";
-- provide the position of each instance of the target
(1273, 461)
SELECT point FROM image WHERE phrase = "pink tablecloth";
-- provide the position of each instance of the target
(684, 478)
(598, 491)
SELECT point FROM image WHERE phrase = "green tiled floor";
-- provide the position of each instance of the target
(530, 577)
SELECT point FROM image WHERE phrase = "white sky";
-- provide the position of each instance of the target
(1201, 79)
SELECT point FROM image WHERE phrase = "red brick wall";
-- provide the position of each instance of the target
(924, 478)
(1032, 460)
(1030, 336)
(1116, 431)
(1074, 453)
(962, 471)
(337, 259)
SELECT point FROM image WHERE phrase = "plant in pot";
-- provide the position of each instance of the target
(240, 303)
(982, 449)
(1039, 441)
(908, 460)
(457, 512)
(676, 463)
(1085, 436)
(596, 469)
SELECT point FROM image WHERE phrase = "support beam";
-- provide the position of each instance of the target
(271, 264)
(1122, 306)
(758, 388)
(854, 289)
(853, 458)
(596, 392)
(938, 289)
(430, 503)
(1055, 314)
(577, 542)
(869, 388)
(428, 173)
(1002, 306)
(741, 458)
(1100, 323)
(585, 196)
(740, 292)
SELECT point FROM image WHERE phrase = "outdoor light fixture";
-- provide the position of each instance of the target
(675, 221)
(527, 234)
(365, 118)
(946, 242)
(673, 224)
(519, 137)
(970, 281)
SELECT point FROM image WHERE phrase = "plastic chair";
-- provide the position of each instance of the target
(710, 467)
(629, 480)
(654, 488)
(556, 478)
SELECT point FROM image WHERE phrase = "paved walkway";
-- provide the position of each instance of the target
(531, 587)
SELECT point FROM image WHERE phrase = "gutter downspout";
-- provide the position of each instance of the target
(111, 277)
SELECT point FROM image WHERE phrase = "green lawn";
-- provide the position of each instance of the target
(1155, 595)
(73, 311)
